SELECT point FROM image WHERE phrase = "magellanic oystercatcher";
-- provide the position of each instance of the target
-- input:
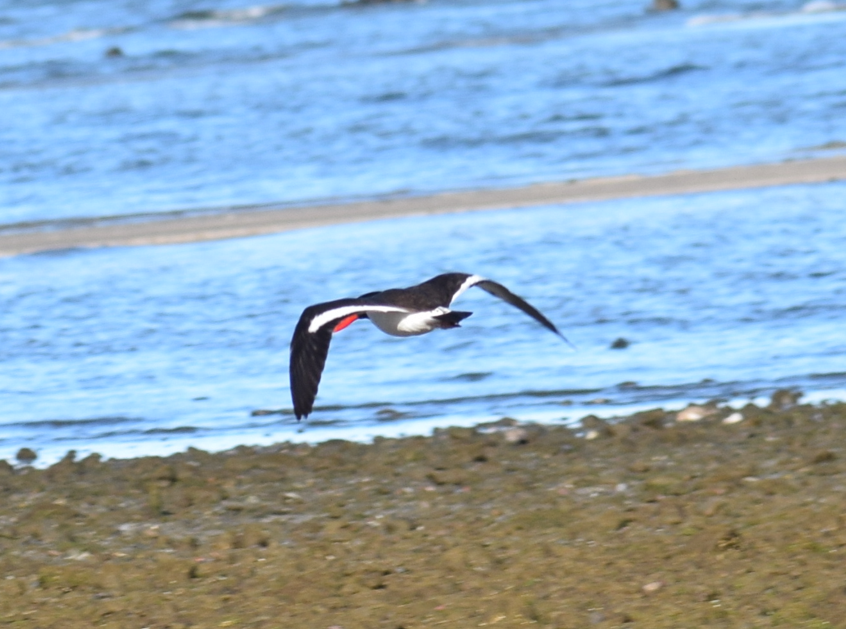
(398, 311)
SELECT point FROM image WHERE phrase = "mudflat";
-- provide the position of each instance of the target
(220, 223)
(734, 520)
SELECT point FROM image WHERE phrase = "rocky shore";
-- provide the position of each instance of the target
(733, 518)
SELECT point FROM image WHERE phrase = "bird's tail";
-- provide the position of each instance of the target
(452, 318)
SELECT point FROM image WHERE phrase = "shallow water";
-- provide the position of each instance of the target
(151, 349)
(223, 103)
(134, 351)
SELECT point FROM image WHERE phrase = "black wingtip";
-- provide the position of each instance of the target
(555, 331)
(302, 411)
(566, 340)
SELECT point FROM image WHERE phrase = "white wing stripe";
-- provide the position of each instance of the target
(468, 283)
(339, 313)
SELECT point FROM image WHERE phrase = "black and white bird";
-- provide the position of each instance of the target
(398, 311)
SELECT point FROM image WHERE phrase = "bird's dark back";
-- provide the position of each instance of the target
(428, 295)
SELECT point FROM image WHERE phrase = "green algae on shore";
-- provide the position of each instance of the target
(648, 523)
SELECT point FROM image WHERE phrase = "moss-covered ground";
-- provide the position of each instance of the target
(649, 523)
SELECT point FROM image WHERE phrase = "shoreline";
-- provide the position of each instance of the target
(650, 522)
(274, 219)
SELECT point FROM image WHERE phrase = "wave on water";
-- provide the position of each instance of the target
(668, 73)
(130, 437)
(617, 399)
(75, 35)
(521, 38)
(188, 20)
(479, 42)
(258, 14)
(73, 423)
(811, 10)
(210, 18)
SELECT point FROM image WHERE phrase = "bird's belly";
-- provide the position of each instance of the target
(406, 324)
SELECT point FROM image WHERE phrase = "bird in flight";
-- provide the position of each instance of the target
(398, 311)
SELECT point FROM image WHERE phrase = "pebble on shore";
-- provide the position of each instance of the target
(26, 456)
(694, 413)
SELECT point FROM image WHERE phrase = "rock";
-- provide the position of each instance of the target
(595, 427)
(500, 424)
(389, 415)
(693, 413)
(666, 485)
(734, 418)
(463, 434)
(651, 419)
(620, 343)
(651, 588)
(447, 477)
(69, 457)
(365, 3)
(516, 435)
(664, 5)
(825, 456)
(26, 456)
(640, 467)
(729, 541)
(783, 399)
(91, 461)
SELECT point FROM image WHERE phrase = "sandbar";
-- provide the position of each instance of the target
(246, 221)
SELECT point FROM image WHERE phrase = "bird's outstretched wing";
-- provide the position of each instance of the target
(310, 345)
(313, 334)
(498, 290)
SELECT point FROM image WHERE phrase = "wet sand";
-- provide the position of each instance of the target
(251, 221)
(650, 523)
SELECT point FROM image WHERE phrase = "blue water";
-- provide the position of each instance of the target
(219, 103)
(152, 349)
(212, 105)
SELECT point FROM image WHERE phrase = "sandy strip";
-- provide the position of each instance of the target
(270, 219)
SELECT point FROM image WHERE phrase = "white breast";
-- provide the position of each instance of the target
(405, 324)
